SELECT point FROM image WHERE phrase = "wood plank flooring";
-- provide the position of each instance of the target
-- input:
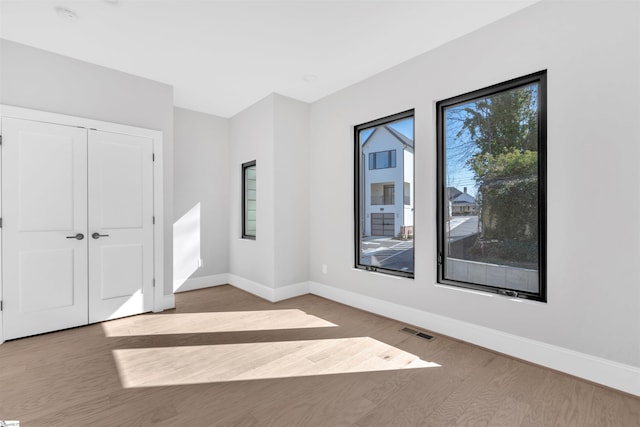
(228, 358)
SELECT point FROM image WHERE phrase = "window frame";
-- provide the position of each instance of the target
(540, 78)
(245, 167)
(360, 165)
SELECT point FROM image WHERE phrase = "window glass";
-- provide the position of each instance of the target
(249, 200)
(384, 201)
(382, 159)
(491, 173)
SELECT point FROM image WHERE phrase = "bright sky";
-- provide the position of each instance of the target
(458, 174)
(404, 126)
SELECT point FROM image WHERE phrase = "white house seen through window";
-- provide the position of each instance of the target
(384, 195)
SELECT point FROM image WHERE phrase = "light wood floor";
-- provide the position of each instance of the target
(227, 358)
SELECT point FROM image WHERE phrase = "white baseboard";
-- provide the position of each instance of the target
(290, 291)
(168, 302)
(255, 288)
(602, 371)
(203, 282)
(269, 293)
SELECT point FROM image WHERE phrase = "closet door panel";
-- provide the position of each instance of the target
(46, 202)
(44, 199)
(118, 181)
(120, 217)
(43, 271)
(121, 270)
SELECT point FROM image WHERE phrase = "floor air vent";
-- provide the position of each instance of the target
(417, 333)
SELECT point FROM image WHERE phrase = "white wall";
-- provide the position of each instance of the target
(291, 145)
(41, 80)
(591, 51)
(201, 196)
(275, 133)
(252, 138)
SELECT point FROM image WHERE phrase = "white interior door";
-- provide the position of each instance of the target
(44, 199)
(120, 225)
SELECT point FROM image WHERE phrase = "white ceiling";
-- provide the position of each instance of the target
(222, 56)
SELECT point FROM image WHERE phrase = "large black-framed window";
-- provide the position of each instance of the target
(249, 200)
(491, 214)
(384, 186)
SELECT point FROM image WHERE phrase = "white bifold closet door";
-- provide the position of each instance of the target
(44, 205)
(60, 186)
(120, 225)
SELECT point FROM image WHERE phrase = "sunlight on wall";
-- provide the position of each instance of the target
(229, 321)
(166, 366)
(186, 246)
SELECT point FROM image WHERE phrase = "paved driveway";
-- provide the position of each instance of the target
(388, 253)
(462, 226)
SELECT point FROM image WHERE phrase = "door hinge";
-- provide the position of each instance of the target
(153, 157)
(0, 139)
(0, 222)
(154, 219)
(1, 305)
(440, 258)
(154, 282)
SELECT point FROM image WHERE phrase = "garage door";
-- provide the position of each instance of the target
(383, 224)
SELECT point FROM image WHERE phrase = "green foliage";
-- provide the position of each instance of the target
(508, 185)
(516, 253)
(503, 121)
(503, 129)
(509, 164)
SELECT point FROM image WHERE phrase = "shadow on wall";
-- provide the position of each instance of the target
(186, 247)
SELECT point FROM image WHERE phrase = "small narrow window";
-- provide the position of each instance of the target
(249, 200)
(491, 188)
(384, 195)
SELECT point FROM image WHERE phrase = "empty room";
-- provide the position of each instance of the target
(319, 213)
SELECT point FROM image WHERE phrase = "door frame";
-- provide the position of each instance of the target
(158, 182)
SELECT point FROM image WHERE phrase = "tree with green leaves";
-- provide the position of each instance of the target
(503, 131)
(502, 122)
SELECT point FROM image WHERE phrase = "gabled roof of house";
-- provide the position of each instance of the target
(463, 198)
(453, 192)
(400, 137)
(406, 141)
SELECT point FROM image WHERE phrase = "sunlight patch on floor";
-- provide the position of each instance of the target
(167, 366)
(228, 321)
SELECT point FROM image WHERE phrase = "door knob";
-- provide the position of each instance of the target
(98, 235)
(78, 236)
